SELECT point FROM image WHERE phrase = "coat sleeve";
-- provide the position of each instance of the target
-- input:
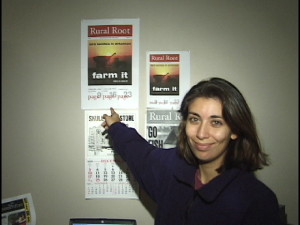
(264, 210)
(147, 162)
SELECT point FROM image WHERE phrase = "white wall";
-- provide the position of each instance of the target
(254, 44)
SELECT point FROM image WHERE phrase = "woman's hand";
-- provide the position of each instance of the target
(109, 120)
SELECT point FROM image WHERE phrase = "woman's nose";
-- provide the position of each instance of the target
(202, 132)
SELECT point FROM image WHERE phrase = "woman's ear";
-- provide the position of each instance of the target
(234, 136)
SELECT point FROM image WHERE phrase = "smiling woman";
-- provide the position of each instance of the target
(226, 105)
(208, 179)
(208, 135)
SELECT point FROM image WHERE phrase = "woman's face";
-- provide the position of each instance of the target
(207, 132)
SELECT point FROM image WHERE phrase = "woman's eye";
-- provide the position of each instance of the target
(217, 123)
(193, 119)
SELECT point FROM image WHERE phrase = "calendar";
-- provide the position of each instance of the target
(106, 173)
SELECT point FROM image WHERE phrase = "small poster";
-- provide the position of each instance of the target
(110, 66)
(106, 173)
(18, 210)
(162, 127)
(169, 78)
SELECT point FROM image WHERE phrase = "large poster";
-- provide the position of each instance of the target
(106, 173)
(168, 75)
(109, 63)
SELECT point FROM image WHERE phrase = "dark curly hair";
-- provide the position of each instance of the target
(245, 152)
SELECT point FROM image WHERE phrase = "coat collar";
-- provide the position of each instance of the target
(211, 190)
(186, 173)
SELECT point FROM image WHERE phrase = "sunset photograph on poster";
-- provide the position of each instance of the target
(164, 79)
(110, 62)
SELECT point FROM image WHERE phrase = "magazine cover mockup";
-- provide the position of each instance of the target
(168, 75)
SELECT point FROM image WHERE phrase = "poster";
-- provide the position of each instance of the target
(162, 127)
(18, 210)
(106, 173)
(109, 63)
(168, 75)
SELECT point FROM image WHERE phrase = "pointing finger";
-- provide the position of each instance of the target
(112, 110)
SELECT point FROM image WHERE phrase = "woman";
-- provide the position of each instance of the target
(208, 179)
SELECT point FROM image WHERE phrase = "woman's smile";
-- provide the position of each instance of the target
(203, 146)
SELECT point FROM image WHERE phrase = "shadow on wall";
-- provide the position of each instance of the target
(147, 202)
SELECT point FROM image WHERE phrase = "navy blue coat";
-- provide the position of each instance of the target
(235, 197)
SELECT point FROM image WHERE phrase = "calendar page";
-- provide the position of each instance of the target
(106, 173)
